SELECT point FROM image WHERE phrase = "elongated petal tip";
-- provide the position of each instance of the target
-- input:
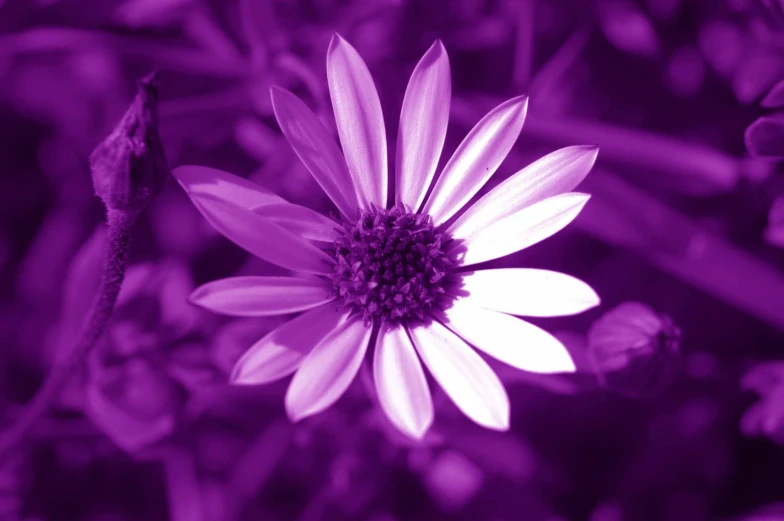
(435, 53)
(499, 422)
(238, 376)
(196, 296)
(437, 48)
(522, 103)
(278, 97)
(336, 40)
(591, 148)
(418, 433)
(276, 90)
(296, 412)
(294, 415)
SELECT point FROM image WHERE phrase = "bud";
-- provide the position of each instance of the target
(634, 350)
(129, 166)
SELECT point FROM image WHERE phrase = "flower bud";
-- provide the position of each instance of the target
(634, 350)
(129, 165)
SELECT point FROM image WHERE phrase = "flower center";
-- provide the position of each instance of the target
(391, 265)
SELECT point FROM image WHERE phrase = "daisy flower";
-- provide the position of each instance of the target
(395, 279)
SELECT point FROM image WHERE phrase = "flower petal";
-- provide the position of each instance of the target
(300, 220)
(555, 173)
(423, 122)
(264, 238)
(316, 148)
(205, 185)
(261, 296)
(476, 159)
(204, 181)
(360, 121)
(328, 370)
(465, 377)
(508, 339)
(522, 229)
(279, 353)
(529, 292)
(400, 382)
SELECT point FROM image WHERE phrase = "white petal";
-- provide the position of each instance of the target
(521, 229)
(360, 121)
(301, 221)
(423, 122)
(264, 238)
(206, 185)
(529, 292)
(465, 377)
(555, 173)
(204, 181)
(328, 370)
(476, 159)
(509, 339)
(261, 296)
(316, 148)
(280, 352)
(401, 384)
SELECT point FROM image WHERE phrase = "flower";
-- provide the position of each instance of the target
(634, 350)
(396, 278)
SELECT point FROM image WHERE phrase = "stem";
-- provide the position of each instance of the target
(120, 225)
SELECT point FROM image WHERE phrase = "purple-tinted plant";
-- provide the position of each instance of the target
(128, 169)
(396, 273)
(664, 87)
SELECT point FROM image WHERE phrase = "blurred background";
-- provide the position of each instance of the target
(685, 230)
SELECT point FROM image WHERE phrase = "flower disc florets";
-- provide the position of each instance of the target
(391, 265)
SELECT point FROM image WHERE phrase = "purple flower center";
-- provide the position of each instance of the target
(391, 265)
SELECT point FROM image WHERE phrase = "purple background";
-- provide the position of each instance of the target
(682, 219)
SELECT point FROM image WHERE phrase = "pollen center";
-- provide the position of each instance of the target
(391, 265)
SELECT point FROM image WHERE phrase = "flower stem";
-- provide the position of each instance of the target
(120, 225)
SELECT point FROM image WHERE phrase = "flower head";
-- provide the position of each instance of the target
(398, 275)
